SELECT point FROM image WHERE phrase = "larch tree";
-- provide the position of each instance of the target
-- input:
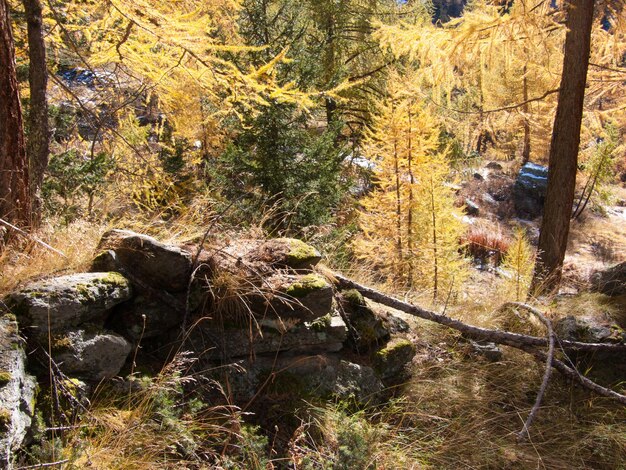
(15, 203)
(564, 148)
(410, 227)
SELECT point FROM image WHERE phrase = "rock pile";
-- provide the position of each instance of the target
(255, 308)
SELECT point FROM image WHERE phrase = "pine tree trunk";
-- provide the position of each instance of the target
(39, 133)
(564, 148)
(14, 192)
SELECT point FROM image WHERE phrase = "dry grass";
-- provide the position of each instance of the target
(486, 242)
(24, 260)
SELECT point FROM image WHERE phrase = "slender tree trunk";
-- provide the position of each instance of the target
(433, 211)
(39, 133)
(564, 148)
(398, 210)
(526, 110)
(409, 225)
(14, 193)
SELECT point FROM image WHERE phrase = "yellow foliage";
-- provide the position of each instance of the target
(410, 229)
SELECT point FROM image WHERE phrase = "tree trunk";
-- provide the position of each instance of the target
(564, 148)
(39, 133)
(14, 192)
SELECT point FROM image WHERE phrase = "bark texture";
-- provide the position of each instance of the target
(38, 129)
(14, 191)
(564, 148)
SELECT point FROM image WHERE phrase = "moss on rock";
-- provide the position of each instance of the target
(306, 284)
(5, 377)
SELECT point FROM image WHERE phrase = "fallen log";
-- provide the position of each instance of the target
(478, 333)
(526, 343)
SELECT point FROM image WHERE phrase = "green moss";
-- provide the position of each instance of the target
(353, 297)
(61, 343)
(113, 278)
(5, 377)
(5, 419)
(300, 253)
(10, 317)
(321, 323)
(393, 348)
(306, 285)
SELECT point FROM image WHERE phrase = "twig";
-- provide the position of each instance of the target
(523, 434)
(44, 465)
(32, 237)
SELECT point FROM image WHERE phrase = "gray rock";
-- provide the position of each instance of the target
(302, 377)
(306, 297)
(358, 382)
(90, 355)
(285, 252)
(488, 350)
(146, 317)
(611, 281)
(326, 334)
(529, 191)
(367, 328)
(390, 361)
(68, 301)
(588, 329)
(142, 257)
(17, 391)
(471, 208)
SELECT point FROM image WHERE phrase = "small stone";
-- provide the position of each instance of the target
(471, 208)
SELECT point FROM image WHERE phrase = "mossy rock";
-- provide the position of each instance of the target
(286, 252)
(5, 377)
(306, 285)
(69, 301)
(5, 419)
(353, 297)
(390, 361)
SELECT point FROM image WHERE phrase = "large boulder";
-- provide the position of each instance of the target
(325, 334)
(611, 281)
(68, 301)
(144, 259)
(529, 191)
(17, 391)
(90, 355)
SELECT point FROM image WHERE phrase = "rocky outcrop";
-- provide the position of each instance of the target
(255, 309)
(529, 190)
(611, 281)
(17, 390)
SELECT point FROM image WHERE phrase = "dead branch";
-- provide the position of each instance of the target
(523, 434)
(526, 343)
(507, 338)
